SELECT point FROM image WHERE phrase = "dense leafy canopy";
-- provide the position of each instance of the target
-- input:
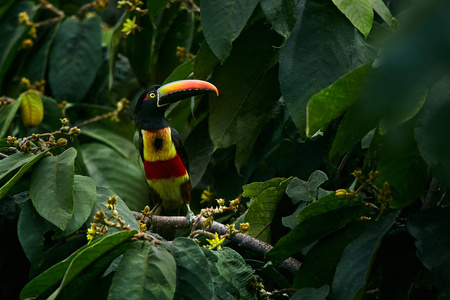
(331, 128)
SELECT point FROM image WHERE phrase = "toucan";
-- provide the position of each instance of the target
(161, 149)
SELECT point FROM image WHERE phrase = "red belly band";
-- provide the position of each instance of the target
(165, 169)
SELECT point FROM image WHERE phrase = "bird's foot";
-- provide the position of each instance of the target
(189, 215)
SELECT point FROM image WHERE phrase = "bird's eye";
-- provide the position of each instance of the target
(152, 95)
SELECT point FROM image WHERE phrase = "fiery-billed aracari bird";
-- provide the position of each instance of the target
(162, 152)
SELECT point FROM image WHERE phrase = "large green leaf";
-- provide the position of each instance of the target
(431, 229)
(230, 275)
(13, 162)
(280, 14)
(317, 53)
(51, 188)
(7, 113)
(354, 267)
(25, 165)
(309, 293)
(359, 12)
(84, 198)
(320, 262)
(69, 268)
(267, 196)
(75, 58)
(223, 21)
(147, 271)
(205, 62)
(11, 32)
(246, 98)
(31, 228)
(314, 228)
(106, 135)
(401, 165)
(123, 176)
(333, 101)
(381, 9)
(155, 7)
(431, 128)
(194, 279)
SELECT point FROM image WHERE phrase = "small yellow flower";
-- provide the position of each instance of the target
(32, 32)
(244, 227)
(143, 227)
(207, 195)
(216, 242)
(91, 232)
(129, 26)
(23, 18)
(28, 43)
(341, 193)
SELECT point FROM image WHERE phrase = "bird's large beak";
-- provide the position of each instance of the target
(178, 90)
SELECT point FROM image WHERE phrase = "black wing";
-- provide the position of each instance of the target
(176, 139)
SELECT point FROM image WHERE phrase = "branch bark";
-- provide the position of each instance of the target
(290, 264)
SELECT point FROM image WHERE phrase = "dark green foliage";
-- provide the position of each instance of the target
(310, 91)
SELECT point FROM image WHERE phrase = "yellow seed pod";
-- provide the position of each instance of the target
(32, 108)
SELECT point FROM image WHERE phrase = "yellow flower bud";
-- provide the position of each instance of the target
(341, 193)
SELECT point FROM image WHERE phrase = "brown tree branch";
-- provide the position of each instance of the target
(290, 264)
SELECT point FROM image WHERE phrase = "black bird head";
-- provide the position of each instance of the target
(151, 105)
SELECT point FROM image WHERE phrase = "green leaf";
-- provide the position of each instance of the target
(320, 262)
(309, 293)
(306, 191)
(51, 188)
(181, 72)
(401, 165)
(205, 62)
(359, 12)
(155, 7)
(103, 195)
(262, 210)
(75, 58)
(238, 115)
(180, 33)
(314, 228)
(353, 270)
(116, 38)
(381, 9)
(230, 275)
(7, 113)
(431, 227)
(31, 228)
(194, 276)
(147, 271)
(328, 203)
(135, 45)
(32, 108)
(11, 33)
(106, 135)
(13, 162)
(5, 6)
(333, 101)
(430, 131)
(90, 255)
(199, 149)
(25, 166)
(223, 21)
(86, 284)
(316, 54)
(280, 14)
(84, 199)
(123, 176)
(73, 265)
